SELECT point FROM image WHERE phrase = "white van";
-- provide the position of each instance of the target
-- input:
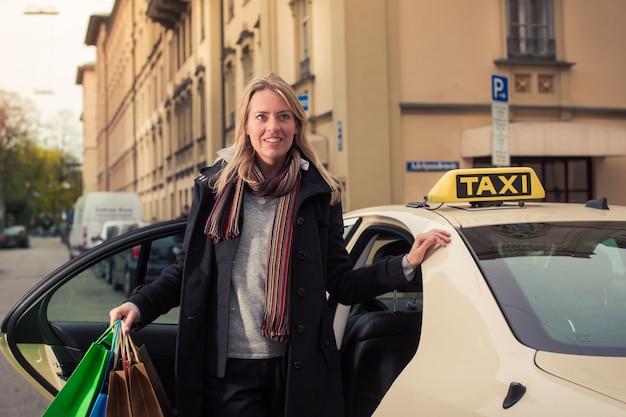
(93, 209)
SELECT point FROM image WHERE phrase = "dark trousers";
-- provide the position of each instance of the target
(250, 388)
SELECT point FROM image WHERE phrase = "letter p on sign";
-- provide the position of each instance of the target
(499, 88)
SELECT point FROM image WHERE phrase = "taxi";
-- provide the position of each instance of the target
(522, 314)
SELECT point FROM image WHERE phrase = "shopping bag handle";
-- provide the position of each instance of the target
(109, 331)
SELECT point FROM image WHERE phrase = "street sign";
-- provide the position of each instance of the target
(499, 88)
(339, 135)
(304, 101)
(431, 166)
(500, 155)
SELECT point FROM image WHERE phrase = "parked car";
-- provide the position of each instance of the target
(161, 254)
(522, 314)
(111, 229)
(14, 237)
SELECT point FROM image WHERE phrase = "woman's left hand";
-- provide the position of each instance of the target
(426, 244)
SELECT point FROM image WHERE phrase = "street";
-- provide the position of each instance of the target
(20, 269)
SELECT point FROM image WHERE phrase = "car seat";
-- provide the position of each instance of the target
(376, 349)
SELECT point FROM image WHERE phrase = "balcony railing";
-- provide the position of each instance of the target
(532, 48)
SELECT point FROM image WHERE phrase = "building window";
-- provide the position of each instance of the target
(565, 180)
(184, 120)
(161, 82)
(202, 25)
(179, 51)
(154, 94)
(229, 94)
(172, 60)
(247, 63)
(183, 41)
(189, 29)
(202, 96)
(230, 10)
(530, 29)
(303, 19)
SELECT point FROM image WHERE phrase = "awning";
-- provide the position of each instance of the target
(548, 139)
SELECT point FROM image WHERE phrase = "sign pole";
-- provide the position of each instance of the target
(500, 156)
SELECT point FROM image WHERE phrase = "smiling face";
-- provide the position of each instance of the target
(271, 127)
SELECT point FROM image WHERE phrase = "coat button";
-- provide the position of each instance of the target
(301, 255)
(300, 328)
(300, 221)
(298, 365)
(301, 292)
(326, 342)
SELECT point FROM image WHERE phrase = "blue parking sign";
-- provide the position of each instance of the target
(304, 101)
(499, 88)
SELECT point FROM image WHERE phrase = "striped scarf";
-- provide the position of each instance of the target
(223, 224)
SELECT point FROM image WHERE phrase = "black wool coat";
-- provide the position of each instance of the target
(200, 283)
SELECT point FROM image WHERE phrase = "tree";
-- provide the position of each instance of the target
(18, 121)
(62, 132)
(35, 182)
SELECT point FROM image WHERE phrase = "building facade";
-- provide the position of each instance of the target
(86, 76)
(395, 90)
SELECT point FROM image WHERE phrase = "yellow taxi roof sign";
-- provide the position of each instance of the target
(477, 185)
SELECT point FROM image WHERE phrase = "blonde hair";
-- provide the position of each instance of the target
(240, 166)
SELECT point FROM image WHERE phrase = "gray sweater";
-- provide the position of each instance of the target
(247, 292)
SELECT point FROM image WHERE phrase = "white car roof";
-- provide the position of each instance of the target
(463, 215)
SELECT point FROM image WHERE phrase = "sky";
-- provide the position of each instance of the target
(43, 52)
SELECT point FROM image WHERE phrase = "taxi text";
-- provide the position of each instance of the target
(493, 185)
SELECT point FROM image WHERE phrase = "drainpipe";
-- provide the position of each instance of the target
(222, 74)
(134, 98)
(107, 122)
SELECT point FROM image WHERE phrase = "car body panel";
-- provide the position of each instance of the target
(600, 373)
(32, 354)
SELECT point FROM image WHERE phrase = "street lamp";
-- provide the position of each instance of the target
(35, 10)
(41, 11)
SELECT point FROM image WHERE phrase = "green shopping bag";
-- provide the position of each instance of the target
(100, 405)
(79, 393)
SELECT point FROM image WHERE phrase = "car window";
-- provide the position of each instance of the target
(349, 225)
(561, 286)
(85, 297)
(89, 295)
(383, 246)
(375, 244)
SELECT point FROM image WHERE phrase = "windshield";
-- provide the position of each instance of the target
(561, 286)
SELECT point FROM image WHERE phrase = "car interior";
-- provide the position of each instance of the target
(381, 335)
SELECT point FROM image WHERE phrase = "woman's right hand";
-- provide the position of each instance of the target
(127, 312)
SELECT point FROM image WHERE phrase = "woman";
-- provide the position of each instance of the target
(262, 248)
